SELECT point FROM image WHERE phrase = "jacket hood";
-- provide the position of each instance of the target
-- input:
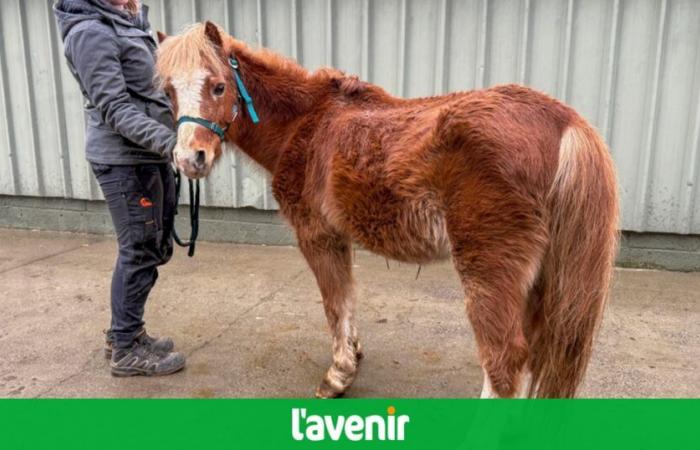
(71, 12)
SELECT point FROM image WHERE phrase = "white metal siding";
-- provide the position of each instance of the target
(632, 67)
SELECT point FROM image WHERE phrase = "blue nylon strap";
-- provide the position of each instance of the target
(243, 92)
(205, 123)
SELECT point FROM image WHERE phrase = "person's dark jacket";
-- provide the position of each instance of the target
(112, 55)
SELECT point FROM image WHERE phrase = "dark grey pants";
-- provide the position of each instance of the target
(141, 201)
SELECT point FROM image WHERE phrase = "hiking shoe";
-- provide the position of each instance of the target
(143, 359)
(164, 344)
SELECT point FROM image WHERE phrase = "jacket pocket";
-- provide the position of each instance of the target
(101, 139)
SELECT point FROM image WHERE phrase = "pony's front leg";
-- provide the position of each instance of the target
(330, 259)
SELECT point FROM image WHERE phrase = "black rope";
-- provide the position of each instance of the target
(194, 213)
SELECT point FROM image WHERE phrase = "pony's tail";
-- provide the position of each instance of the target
(577, 268)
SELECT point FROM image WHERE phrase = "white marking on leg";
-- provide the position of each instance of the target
(345, 323)
(344, 356)
(487, 390)
(525, 383)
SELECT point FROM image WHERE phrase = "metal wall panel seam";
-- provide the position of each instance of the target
(164, 16)
(691, 211)
(8, 117)
(689, 180)
(440, 48)
(194, 10)
(607, 100)
(294, 22)
(524, 43)
(259, 21)
(650, 123)
(482, 46)
(401, 61)
(364, 64)
(30, 100)
(59, 108)
(329, 33)
(565, 62)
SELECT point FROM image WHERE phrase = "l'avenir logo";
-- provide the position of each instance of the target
(314, 427)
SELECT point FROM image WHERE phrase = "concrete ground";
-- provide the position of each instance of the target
(250, 321)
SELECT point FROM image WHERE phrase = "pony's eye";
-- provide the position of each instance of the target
(219, 89)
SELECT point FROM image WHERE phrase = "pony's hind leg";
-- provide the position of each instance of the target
(498, 258)
(503, 349)
(330, 259)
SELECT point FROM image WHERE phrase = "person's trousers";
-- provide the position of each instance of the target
(141, 200)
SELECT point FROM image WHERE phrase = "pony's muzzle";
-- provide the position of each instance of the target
(193, 163)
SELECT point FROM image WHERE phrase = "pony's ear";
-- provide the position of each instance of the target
(212, 33)
(161, 36)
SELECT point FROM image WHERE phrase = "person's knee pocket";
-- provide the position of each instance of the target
(143, 228)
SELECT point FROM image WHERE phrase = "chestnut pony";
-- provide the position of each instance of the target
(514, 186)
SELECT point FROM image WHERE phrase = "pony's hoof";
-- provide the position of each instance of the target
(325, 390)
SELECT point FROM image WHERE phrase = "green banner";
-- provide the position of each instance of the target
(388, 423)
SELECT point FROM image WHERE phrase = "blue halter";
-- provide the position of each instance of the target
(243, 96)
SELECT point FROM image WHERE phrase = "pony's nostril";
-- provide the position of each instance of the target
(200, 157)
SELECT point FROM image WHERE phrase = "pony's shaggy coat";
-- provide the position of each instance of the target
(515, 186)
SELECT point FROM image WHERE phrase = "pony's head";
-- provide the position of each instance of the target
(194, 71)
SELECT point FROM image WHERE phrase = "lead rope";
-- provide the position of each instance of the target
(194, 213)
(221, 132)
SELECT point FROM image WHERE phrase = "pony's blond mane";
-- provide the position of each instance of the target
(186, 53)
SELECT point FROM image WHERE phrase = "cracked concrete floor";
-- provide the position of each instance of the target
(250, 321)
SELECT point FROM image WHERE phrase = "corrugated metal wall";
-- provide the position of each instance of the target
(630, 66)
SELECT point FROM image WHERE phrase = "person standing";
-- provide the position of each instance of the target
(129, 143)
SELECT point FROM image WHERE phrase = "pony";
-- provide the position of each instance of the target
(516, 187)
